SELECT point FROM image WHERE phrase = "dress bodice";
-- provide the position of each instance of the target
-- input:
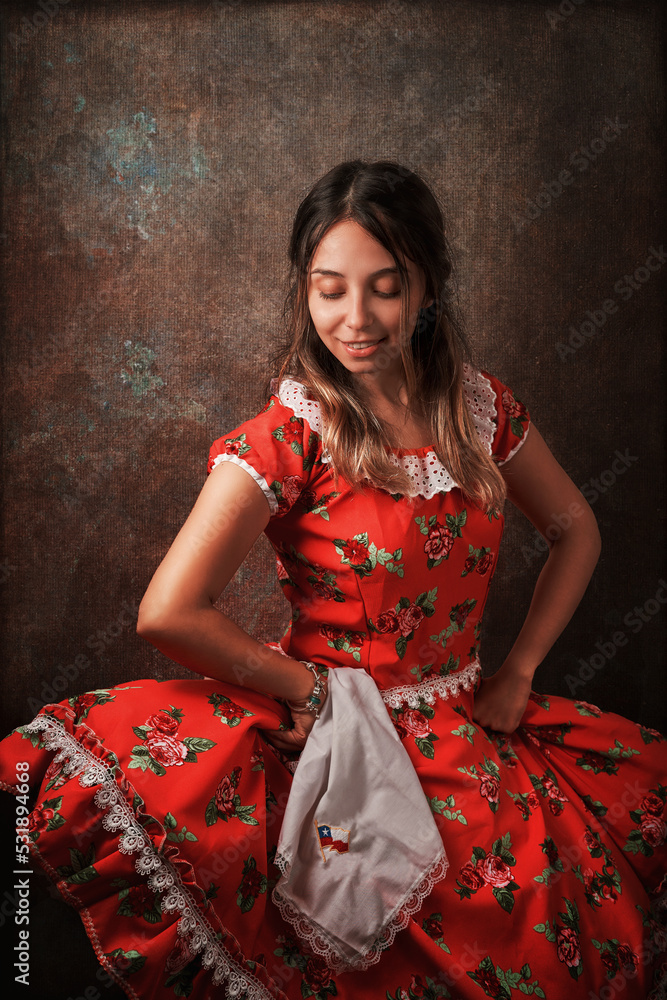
(394, 584)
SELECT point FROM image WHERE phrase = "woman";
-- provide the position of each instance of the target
(378, 469)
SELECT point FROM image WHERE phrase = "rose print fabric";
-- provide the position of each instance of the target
(156, 807)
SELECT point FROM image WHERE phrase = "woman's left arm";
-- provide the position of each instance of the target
(543, 491)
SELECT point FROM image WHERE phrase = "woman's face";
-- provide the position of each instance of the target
(354, 297)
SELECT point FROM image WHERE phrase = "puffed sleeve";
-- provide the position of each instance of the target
(511, 421)
(277, 448)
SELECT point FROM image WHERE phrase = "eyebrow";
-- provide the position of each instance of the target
(337, 274)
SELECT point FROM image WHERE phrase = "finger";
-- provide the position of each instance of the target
(274, 732)
(283, 739)
(278, 736)
(283, 746)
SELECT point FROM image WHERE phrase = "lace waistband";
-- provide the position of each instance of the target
(444, 687)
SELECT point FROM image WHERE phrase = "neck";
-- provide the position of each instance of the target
(383, 392)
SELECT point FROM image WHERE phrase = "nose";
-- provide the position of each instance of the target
(359, 316)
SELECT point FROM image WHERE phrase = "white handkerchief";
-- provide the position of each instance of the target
(358, 848)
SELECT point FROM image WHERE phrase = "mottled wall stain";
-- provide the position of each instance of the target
(154, 157)
(139, 362)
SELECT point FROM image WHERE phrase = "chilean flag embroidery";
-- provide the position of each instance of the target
(334, 838)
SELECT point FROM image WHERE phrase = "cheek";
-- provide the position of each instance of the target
(314, 309)
(322, 318)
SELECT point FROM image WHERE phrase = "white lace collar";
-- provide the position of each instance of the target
(427, 472)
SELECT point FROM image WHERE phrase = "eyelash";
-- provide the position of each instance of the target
(383, 295)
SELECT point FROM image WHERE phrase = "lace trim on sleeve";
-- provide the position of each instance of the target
(161, 874)
(517, 445)
(259, 479)
(427, 472)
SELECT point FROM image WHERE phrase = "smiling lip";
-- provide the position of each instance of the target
(355, 353)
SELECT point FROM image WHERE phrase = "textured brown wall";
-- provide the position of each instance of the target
(154, 156)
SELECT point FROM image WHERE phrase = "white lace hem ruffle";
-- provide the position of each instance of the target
(443, 687)
(162, 876)
(427, 472)
(320, 942)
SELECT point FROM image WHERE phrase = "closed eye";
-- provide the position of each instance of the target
(383, 295)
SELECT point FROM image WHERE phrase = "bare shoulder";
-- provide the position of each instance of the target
(230, 513)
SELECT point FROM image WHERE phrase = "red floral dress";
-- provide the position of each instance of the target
(158, 804)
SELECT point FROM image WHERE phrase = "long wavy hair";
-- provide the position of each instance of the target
(399, 210)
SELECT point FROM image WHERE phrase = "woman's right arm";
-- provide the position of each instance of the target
(177, 613)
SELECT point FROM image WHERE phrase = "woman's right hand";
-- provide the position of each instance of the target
(302, 723)
(294, 738)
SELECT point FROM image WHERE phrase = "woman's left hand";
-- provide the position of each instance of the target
(501, 700)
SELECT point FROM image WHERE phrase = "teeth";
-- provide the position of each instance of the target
(361, 347)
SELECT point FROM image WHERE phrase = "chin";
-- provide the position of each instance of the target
(362, 365)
